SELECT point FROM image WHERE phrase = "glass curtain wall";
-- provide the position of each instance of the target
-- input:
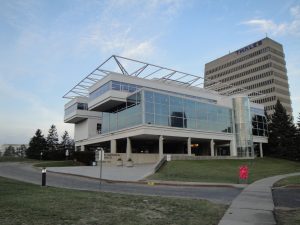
(176, 111)
(129, 116)
(259, 122)
(243, 128)
(113, 85)
(168, 110)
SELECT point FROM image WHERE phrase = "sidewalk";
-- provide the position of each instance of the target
(254, 205)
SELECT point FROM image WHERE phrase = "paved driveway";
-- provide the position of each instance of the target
(25, 172)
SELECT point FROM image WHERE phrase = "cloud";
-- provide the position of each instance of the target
(18, 123)
(267, 26)
(44, 42)
(295, 11)
(285, 28)
(131, 31)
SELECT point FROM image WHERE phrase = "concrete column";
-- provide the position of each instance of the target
(212, 147)
(82, 148)
(233, 150)
(231, 146)
(189, 146)
(128, 148)
(113, 146)
(161, 146)
(261, 150)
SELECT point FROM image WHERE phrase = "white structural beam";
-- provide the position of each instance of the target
(212, 147)
(189, 146)
(113, 146)
(161, 146)
(128, 148)
(261, 150)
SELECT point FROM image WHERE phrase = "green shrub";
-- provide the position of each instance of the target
(86, 157)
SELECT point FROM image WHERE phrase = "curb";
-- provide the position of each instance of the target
(158, 182)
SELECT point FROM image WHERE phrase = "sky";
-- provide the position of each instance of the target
(48, 46)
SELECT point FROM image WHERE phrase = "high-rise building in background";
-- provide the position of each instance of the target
(258, 70)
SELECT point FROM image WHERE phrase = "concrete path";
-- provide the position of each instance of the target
(109, 172)
(254, 205)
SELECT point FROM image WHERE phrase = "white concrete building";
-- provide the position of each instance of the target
(153, 111)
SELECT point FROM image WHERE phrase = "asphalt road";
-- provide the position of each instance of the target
(25, 172)
(286, 197)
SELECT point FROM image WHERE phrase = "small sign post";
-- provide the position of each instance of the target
(168, 158)
(101, 157)
(44, 177)
(67, 154)
(243, 174)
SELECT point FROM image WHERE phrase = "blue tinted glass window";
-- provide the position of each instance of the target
(162, 109)
(115, 85)
(177, 121)
(162, 120)
(161, 98)
(132, 88)
(212, 116)
(148, 96)
(174, 109)
(191, 123)
(149, 107)
(176, 101)
(149, 118)
(82, 106)
(125, 87)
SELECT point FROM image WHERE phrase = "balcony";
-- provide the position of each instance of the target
(77, 111)
(79, 115)
(107, 101)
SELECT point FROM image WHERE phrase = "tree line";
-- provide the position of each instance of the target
(284, 135)
(16, 152)
(50, 147)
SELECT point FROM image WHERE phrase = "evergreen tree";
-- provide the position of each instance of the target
(52, 138)
(37, 145)
(66, 141)
(282, 133)
(298, 122)
(21, 151)
(9, 151)
(297, 157)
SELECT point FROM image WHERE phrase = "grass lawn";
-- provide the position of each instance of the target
(23, 203)
(287, 217)
(294, 180)
(224, 171)
(58, 163)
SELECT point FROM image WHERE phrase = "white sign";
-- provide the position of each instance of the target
(101, 153)
(168, 158)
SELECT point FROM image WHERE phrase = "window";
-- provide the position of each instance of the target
(99, 126)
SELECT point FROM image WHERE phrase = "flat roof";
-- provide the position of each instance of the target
(136, 68)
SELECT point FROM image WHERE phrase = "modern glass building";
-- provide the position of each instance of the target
(143, 116)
